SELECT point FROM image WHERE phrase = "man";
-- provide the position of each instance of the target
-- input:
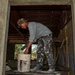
(44, 36)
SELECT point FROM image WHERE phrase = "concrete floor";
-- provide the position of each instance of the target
(30, 73)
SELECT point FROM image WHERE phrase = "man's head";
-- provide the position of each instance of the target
(22, 23)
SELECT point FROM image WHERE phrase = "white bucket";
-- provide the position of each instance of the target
(24, 62)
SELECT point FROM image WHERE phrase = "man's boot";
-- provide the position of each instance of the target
(35, 69)
(51, 69)
(48, 71)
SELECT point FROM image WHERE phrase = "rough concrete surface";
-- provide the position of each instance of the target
(3, 20)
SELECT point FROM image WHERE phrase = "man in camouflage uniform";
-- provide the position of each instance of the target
(44, 36)
(45, 47)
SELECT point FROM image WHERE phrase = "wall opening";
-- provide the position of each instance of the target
(57, 18)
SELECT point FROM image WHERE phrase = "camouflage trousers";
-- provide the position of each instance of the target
(45, 47)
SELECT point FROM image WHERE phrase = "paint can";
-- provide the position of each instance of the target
(24, 62)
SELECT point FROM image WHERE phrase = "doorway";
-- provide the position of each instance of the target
(56, 17)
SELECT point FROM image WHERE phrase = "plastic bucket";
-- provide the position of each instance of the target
(24, 62)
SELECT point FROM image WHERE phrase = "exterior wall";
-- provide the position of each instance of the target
(73, 23)
(40, 2)
(4, 19)
(67, 31)
(67, 34)
(3, 30)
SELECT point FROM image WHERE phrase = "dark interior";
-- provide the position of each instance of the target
(53, 16)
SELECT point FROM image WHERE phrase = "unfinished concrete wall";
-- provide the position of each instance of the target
(40, 2)
(73, 23)
(67, 31)
(70, 46)
(3, 30)
(67, 34)
(3, 20)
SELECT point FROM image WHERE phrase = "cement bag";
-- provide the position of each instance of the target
(24, 62)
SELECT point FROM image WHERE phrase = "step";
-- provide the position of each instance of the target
(32, 73)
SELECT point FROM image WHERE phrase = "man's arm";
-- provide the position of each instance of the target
(27, 48)
(32, 32)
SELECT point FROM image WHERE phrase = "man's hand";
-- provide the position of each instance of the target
(26, 51)
(27, 48)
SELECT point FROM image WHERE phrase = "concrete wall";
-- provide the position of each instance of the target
(40, 2)
(67, 31)
(3, 30)
(67, 34)
(4, 19)
(73, 23)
